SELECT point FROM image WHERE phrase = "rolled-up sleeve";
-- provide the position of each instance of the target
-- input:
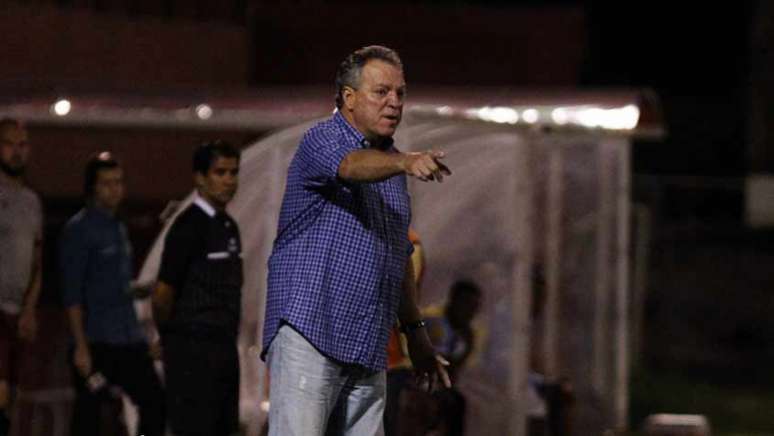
(320, 157)
(73, 262)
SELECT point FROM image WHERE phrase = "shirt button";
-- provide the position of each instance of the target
(228, 224)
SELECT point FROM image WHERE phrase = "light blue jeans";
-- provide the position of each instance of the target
(312, 395)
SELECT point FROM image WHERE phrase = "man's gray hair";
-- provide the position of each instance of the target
(349, 71)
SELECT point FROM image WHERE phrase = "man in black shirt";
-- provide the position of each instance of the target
(197, 302)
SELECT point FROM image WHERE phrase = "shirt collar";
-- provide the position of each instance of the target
(203, 205)
(358, 137)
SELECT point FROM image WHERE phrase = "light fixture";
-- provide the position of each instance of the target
(62, 107)
(498, 114)
(204, 111)
(530, 116)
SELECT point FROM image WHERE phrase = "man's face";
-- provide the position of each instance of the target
(14, 150)
(220, 183)
(109, 188)
(377, 104)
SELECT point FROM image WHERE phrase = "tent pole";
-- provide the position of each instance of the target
(521, 289)
(622, 288)
(602, 277)
(553, 242)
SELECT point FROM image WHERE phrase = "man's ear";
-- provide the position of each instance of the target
(198, 179)
(349, 97)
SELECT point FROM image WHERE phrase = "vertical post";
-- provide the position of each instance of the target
(601, 328)
(622, 286)
(639, 282)
(553, 241)
(521, 295)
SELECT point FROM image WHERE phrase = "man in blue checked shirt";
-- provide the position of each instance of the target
(340, 271)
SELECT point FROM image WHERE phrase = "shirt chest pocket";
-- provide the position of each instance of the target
(223, 255)
(215, 256)
(223, 272)
(106, 258)
(107, 251)
(227, 247)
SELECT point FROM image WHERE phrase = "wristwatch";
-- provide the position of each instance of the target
(410, 327)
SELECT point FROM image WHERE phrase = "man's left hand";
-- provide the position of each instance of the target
(28, 325)
(429, 366)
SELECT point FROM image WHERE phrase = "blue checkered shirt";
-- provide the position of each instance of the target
(337, 266)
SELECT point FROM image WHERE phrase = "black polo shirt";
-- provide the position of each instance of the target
(202, 261)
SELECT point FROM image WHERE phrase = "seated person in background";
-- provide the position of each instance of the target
(400, 374)
(452, 333)
(453, 337)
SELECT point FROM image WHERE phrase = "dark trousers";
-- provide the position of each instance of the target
(412, 411)
(130, 368)
(10, 348)
(202, 377)
(452, 408)
(397, 380)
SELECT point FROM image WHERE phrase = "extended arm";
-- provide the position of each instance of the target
(374, 165)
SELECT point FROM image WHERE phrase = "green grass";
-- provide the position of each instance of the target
(731, 410)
